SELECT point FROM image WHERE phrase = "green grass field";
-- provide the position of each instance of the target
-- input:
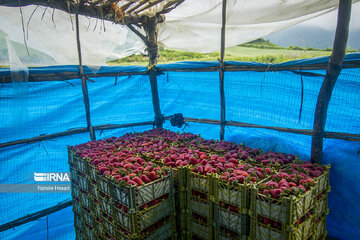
(237, 53)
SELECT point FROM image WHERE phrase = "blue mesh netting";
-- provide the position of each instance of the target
(264, 98)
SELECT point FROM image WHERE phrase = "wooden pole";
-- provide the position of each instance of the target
(332, 73)
(221, 72)
(34, 216)
(73, 132)
(151, 35)
(83, 82)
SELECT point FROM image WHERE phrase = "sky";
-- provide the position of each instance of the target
(328, 21)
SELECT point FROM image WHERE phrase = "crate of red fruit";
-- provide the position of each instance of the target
(231, 224)
(322, 204)
(138, 221)
(124, 177)
(288, 195)
(161, 230)
(232, 187)
(268, 230)
(200, 227)
(319, 173)
(272, 159)
(320, 228)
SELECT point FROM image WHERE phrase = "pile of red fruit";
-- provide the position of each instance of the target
(294, 179)
(139, 158)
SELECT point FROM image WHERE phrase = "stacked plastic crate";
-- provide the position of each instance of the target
(197, 220)
(103, 209)
(218, 192)
(300, 216)
(231, 210)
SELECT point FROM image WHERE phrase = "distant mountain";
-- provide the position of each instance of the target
(34, 57)
(307, 36)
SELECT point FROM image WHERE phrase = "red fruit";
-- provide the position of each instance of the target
(193, 160)
(233, 209)
(154, 202)
(167, 159)
(275, 193)
(184, 163)
(221, 159)
(153, 176)
(126, 178)
(145, 206)
(259, 174)
(267, 170)
(124, 209)
(207, 168)
(267, 221)
(315, 173)
(203, 162)
(145, 178)
(148, 168)
(127, 166)
(291, 184)
(200, 169)
(302, 188)
(203, 156)
(284, 184)
(241, 179)
(266, 191)
(276, 225)
(131, 182)
(178, 162)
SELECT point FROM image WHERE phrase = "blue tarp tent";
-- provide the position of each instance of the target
(270, 98)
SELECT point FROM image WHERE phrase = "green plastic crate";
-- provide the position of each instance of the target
(321, 207)
(80, 180)
(259, 231)
(237, 196)
(286, 210)
(236, 222)
(202, 231)
(141, 220)
(76, 162)
(322, 183)
(319, 230)
(164, 232)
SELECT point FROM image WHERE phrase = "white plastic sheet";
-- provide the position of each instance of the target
(19, 78)
(193, 26)
(54, 35)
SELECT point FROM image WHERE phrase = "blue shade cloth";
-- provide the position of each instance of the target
(271, 98)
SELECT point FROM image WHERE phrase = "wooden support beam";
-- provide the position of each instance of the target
(70, 132)
(333, 135)
(151, 35)
(221, 72)
(62, 76)
(103, 12)
(83, 82)
(44, 137)
(34, 216)
(332, 73)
